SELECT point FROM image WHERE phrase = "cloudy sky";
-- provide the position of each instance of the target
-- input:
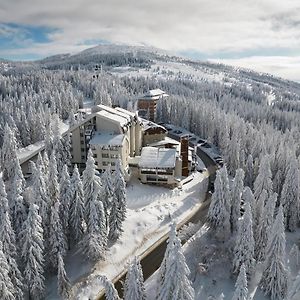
(258, 34)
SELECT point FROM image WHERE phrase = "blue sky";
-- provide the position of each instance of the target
(261, 34)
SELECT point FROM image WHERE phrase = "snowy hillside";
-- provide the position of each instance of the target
(252, 119)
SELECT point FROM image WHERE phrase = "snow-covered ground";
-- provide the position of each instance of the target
(174, 69)
(203, 250)
(148, 219)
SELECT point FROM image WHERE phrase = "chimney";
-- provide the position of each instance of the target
(184, 156)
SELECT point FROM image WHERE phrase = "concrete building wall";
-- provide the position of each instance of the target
(108, 156)
(152, 138)
(158, 176)
(105, 125)
(138, 138)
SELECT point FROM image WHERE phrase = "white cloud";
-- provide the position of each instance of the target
(282, 66)
(210, 27)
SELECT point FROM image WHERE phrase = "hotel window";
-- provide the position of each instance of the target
(105, 155)
(105, 163)
(115, 156)
(95, 155)
(82, 142)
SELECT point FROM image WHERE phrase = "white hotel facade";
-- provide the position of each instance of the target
(142, 146)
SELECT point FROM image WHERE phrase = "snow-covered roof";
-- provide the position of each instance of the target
(113, 117)
(154, 94)
(157, 158)
(109, 139)
(114, 111)
(165, 141)
(148, 124)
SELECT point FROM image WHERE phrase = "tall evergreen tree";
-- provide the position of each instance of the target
(249, 172)
(219, 209)
(264, 227)
(175, 284)
(8, 153)
(8, 241)
(263, 180)
(110, 292)
(77, 206)
(41, 195)
(118, 209)
(17, 205)
(294, 290)
(7, 290)
(91, 183)
(32, 253)
(94, 242)
(134, 283)
(107, 192)
(275, 275)
(63, 283)
(290, 196)
(57, 240)
(248, 197)
(241, 290)
(65, 196)
(244, 247)
(236, 195)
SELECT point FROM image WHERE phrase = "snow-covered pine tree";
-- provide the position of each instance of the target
(248, 197)
(8, 153)
(233, 153)
(263, 180)
(241, 290)
(17, 205)
(18, 173)
(49, 138)
(63, 282)
(32, 253)
(176, 285)
(41, 195)
(56, 240)
(244, 247)
(295, 254)
(249, 172)
(53, 186)
(219, 209)
(294, 289)
(65, 196)
(66, 151)
(118, 209)
(275, 275)
(46, 163)
(134, 284)
(76, 206)
(264, 227)
(236, 195)
(290, 196)
(107, 192)
(91, 183)
(7, 290)
(40, 163)
(8, 241)
(110, 291)
(94, 242)
(163, 266)
(260, 204)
